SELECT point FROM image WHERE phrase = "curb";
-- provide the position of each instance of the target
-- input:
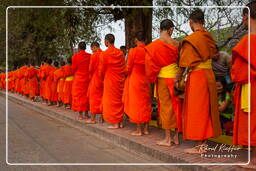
(170, 156)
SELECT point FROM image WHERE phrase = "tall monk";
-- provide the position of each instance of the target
(239, 74)
(53, 85)
(67, 88)
(95, 89)
(80, 67)
(32, 82)
(112, 71)
(201, 115)
(137, 100)
(161, 68)
(59, 78)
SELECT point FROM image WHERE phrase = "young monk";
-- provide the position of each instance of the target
(112, 71)
(239, 74)
(80, 67)
(67, 88)
(32, 82)
(59, 78)
(201, 115)
(137, 100)
(95, 89)
(53, 85)
(161, 68)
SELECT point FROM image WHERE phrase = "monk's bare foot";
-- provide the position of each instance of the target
(176, 140)
(137, 133)
(145, 132)
(80, 117)
(114, 126)
(164, 143)
(195, 150)
(90, 122)
(121, 125)
(68, 107)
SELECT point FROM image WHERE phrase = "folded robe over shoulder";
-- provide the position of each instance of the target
(80, 67)
(112, 70)
(239, 74)
(201, 115)
(95, 90)
(137, 100)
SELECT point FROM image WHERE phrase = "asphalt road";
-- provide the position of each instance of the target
(34, 138)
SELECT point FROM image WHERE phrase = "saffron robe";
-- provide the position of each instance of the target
(160, 55)
(59, 78)
(201, 115)
(48, 81)
(80, 67)
(239, 74)
(112, 71)
(33, 82)
(137, 100)
(67, 88)
(95, 90)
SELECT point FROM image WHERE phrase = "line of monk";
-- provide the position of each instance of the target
(105, 84)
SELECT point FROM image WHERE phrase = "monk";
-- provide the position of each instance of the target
(161, 68)
(67, 87)
(201, 115)
(42, 80)
(32, 82)
(53, 85)
(59, 78)
(23, 80)
(95, 90)
(112, 72)
(48, 68)
(239, 74)
(80, 67)
(137, 99)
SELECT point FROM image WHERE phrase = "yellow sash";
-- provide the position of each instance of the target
(70, 78)
(169, 71)
(205, 65)
(61, 78)
(244, 98)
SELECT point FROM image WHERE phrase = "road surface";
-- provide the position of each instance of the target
(34, 138)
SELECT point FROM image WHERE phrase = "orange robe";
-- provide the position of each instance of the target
(32, 82)
(80, 67)
(67, 88)
(23, 81)
(160, 54)
(112, 70)
(53, 88)
(26, 86)
(201, 115)
(137, 100)
(239, 74)
(48, 81)
(95, 90)
(59, 77)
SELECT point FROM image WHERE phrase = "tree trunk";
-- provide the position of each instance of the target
(138, 19)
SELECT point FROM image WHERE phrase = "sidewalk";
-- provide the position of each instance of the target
(143, 144)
